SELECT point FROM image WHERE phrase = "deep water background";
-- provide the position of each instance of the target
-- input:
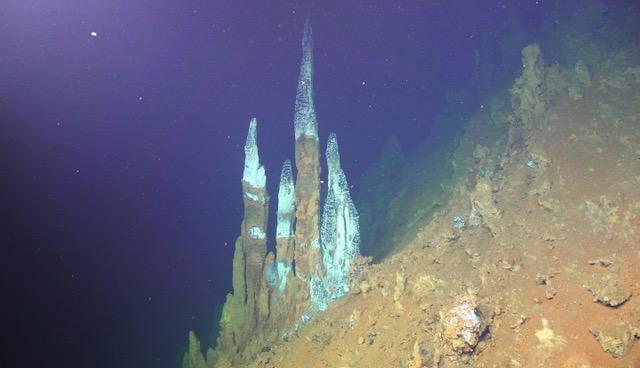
(121, 154)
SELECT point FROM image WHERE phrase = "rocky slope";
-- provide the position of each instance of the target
(534, 260)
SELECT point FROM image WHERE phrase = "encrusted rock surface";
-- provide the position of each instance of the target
(609, 292)
(462, 326)
(616, 337)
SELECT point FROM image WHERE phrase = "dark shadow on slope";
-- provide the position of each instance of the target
(399, 194)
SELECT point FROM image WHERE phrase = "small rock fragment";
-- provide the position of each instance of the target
(520, 320)
(401, 283)
(541, 279)
(551, 238)
(601, 261)
(371, 336)
(458, 223)
(365, 287)
(550, 293)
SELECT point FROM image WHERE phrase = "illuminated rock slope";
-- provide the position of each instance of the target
(533, 260)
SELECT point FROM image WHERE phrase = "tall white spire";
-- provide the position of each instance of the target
(340, 229)
(305, 121)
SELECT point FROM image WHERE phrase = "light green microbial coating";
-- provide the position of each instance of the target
(271, 276)
(305, 120)
(283, 269)
(286, 202)
(253, 172)
(340, 229)
(319, 293)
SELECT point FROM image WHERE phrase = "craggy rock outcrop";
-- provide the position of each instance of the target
(527, 94)
(249, 299)
(274, 294)
(616, 338)
(193, 357)
(462, 327)
(484, 208)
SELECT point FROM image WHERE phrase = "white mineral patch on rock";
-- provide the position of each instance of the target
(462, 326)
(253, 172)
(286, 202)
(257, 233)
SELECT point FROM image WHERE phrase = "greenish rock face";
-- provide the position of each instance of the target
(215, 330)
(527, 94)
(500, 107)
(282, 269)
(271, 276)
(583, 76)
(378, 183)
(400, 192)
